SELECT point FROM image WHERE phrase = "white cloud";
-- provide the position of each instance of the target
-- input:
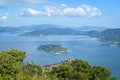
(30, 12)
(91, 11)
(4, 17)
(63, 10)
(7, 14)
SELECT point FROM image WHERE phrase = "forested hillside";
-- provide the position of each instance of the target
(12, 67)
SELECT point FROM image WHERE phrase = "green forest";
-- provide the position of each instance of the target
(13, 67)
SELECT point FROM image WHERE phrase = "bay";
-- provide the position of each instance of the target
(82, 47)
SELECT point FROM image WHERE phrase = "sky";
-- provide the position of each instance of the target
(69, 13)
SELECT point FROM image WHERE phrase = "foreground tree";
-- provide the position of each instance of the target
(81, 70)
(11, 63)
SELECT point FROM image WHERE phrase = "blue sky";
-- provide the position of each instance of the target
(73, 13)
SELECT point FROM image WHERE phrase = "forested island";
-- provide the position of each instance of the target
(55, 49)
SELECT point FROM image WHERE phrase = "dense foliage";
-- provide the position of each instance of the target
(12, 67)
(79, 70)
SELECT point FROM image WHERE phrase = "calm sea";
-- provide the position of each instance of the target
(82, 47)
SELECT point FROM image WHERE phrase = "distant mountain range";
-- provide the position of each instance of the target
(110, 37)
(27, 28)
(52, 31)
(39, 27)
(30, 28)
(103, 34)
(48, 29)
(9, 30)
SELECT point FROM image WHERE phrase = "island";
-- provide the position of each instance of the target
(51, 48)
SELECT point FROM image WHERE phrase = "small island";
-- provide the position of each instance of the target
(55, 49)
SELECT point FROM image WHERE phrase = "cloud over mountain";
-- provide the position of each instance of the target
(62, 10)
